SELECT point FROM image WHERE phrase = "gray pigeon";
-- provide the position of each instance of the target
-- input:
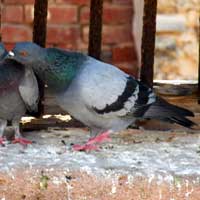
(18, 92)
(3, 51)
(96, 93)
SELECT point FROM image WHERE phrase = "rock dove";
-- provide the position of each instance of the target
(3, 51)
(18, 92)
(96, 93)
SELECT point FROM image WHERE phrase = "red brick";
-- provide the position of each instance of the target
(29, 13)
(84, 15)
(63, 15)
(67, 46)
(117, 34)
(77, 45)
(128, 67)
(19, 1)
(60, 35)
(16, 33)
(82, 46)
(112, 14)
(124, 54)
(13, 14)
(77, 2)
(113, 34)
(9, 46)
(56, 14)
(117, 14)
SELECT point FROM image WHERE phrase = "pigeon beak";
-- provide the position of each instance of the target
(11, 54)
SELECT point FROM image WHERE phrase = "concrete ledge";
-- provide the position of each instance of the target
(136, 165)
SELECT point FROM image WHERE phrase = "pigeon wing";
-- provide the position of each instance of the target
(29, 90)
(110, 92)
(10, 76)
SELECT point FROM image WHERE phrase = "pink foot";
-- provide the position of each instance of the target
(91, 143)
(21, 141)
(85, 147)
(103, 137)
(2, 140)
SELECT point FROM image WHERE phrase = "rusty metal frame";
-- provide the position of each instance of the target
(95, 30)
(148, 42)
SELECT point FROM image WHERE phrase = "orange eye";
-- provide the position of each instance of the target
(23, 53)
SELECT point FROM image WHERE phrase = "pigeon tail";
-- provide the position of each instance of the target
(165, 111)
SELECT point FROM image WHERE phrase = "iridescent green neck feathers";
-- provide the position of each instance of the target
(61, 67)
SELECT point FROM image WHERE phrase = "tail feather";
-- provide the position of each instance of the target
(183, 121)
(182, 111)
(165, 111)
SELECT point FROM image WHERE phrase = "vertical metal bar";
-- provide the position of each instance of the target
(40, 22)
(1, 10)
(95, 32)
(199, 67)
(39, 37)
(199, 62)
(148, 41)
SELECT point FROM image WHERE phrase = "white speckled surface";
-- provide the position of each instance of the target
(144, 153)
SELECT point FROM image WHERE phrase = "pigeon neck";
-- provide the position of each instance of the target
(2, 55)
(60, 68)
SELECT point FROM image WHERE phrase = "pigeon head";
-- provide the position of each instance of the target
(3, 51)
(25, 53)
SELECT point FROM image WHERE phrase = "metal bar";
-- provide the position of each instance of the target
(40, 22)
(148, 41)
(1, 9)
(95, 32)
(199, 66)
(199, 59)
(39, 37)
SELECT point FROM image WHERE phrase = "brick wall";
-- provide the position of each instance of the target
(68, 22)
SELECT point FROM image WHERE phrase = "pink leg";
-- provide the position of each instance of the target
(103, 137)
(2, 140)
(22, 141)
(18, 137)
(85, 147)
(91, 143)
(3, 124)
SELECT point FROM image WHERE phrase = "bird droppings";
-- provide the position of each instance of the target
(49, 169)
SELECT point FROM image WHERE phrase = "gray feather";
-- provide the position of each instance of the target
(29, 90)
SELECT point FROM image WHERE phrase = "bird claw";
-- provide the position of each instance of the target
(103, 137)
(22, 141)
(90, 145)
(2, 140)
(85, 147)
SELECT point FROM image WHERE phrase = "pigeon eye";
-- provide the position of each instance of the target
(23, 53)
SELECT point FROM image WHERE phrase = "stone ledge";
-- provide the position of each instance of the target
(136, 165)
